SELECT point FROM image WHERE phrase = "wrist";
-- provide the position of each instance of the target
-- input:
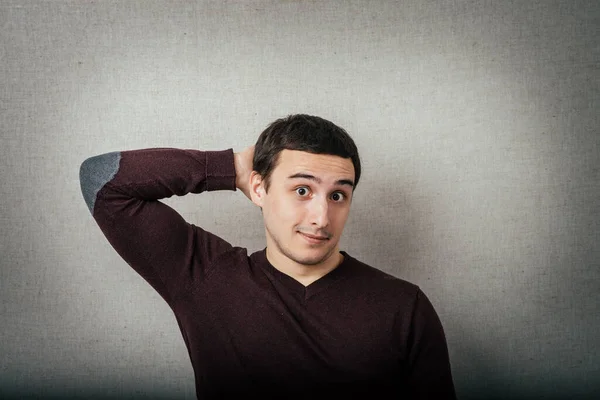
(238, 169)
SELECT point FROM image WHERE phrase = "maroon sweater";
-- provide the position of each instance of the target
(250, 329)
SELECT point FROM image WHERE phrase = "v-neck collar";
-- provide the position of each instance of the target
(294, 286)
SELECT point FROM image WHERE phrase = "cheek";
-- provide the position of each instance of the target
(281, 210)
(290, 212)
(339, 218)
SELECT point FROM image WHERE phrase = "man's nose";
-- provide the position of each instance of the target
(319, 212)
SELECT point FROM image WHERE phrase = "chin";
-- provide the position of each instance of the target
(312, 259)
(309, 261)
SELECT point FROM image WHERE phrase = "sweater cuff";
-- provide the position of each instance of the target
(220, 170)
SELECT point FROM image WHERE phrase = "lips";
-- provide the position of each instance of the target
(314, 238)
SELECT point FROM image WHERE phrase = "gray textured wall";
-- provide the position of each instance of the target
(478, 123)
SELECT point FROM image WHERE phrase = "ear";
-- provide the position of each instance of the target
(257, 189)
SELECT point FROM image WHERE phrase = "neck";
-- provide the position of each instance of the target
(305, 274)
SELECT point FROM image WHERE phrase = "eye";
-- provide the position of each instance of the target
(302, 191)
(338, 197)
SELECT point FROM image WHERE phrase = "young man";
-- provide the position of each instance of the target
(299, 319)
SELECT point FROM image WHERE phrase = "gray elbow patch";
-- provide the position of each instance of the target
(95, 172)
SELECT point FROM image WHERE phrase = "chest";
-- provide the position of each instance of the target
(257, 324)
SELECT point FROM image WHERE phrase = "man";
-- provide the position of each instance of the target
(299, 319)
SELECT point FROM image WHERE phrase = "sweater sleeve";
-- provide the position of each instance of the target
(122, 191)
(429, 373)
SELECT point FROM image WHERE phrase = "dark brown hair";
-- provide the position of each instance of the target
(303, 133)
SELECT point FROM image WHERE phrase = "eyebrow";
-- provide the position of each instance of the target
(301, 175)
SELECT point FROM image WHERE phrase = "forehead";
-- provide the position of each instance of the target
(324, 166)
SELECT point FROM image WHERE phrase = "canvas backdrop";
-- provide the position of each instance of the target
(478, 127)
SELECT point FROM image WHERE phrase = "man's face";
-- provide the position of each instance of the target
(307, 205)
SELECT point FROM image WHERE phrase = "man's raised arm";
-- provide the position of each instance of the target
(122, 191)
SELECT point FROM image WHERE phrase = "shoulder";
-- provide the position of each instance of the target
(410, 305)
(369, 279)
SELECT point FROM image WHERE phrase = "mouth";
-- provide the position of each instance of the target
(314, 239)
